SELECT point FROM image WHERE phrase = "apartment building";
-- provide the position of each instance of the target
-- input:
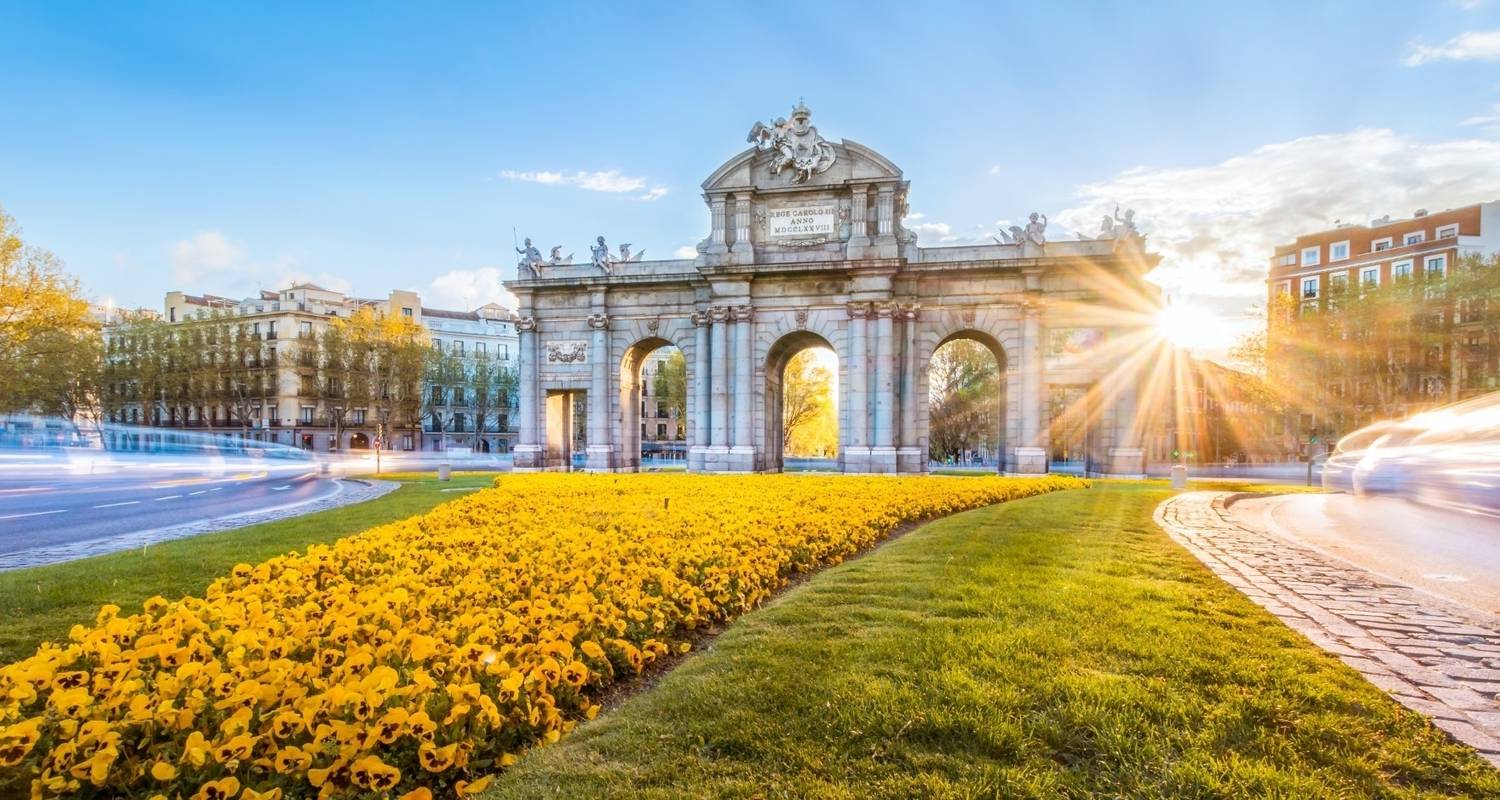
(458, 414)
(663, 435)
(1345, 362)
(289, 406)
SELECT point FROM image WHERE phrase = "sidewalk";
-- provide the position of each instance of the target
(1433, 657)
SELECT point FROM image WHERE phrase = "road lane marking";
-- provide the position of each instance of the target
(27, 489)
(168, 497)
(194, 494)
(112, 505)
(33, 514)
(281, 488)
(217, 489)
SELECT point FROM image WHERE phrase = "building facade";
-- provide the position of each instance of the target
(471, 412)
(806, 248)
(1382, 320)
(287, 403)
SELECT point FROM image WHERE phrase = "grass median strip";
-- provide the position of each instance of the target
(1059, 646)
(42, 603)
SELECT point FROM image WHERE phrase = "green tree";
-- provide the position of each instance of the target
(964, 393)
(669, 386)
(809, 419)
(44, 320)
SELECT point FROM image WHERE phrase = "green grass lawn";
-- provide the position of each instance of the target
(1059, 646)
(42, 603)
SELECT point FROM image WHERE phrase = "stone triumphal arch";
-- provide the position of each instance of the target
(806, 248)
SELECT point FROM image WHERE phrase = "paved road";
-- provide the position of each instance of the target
(1447, 553)
(59, 511)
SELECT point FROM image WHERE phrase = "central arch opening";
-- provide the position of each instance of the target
(802, 413)
(653, 406)
(966, 402)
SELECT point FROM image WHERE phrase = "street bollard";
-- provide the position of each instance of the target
(445, 472)
(1179, 476)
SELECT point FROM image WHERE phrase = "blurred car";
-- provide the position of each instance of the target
(1448, 457)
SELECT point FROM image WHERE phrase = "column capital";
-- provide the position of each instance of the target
(1032, 304)
(701, 318)
(884, 310)
(743, 313)
(909, 311)
(525, 324)
(599, 321)
(859, 310)
(718, 313)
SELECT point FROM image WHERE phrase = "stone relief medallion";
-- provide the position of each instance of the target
(967, 315)
(569, 352)
(801, 316)
(654, 324)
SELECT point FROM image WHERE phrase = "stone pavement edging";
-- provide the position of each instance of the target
(1430, 656)
(354, 490)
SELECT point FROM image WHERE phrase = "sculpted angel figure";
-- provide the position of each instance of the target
(797, 145)
(1014, 237)
(1126, 228)
(531, 258)
(557, 256)
(1036, 231)
(625, 254)
(603, 259)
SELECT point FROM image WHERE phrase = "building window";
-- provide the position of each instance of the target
(271, 329)
(1338, 251)
(1285, 288)
(1369, 276)
(1310, 288)
(172, 314)
(359, 416)
(1414, 238)
(1435, 267)
(1338, 282)
(661, 430)
(458, 348)
(1309, 256)
(1288, 260)
(437, 344)
(1448, 231)
(307, 415)
(504, 352)
(1381, 244)
(304, 329)
(406, 311)
(1400, 270)
(458, 423)
(479, 348)
(458, 395)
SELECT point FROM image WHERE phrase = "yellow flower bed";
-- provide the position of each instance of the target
(428, 652)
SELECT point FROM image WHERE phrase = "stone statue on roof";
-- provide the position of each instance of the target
(796, 145)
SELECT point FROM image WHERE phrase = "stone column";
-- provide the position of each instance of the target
(885, 211)
(742, 249)
(701, 414)
(743, 451)
(527, 454)
(909, 457)
(598, 450)
(857, 453)
(1127, 458)
(883, 453)
(1031, 456)
(859, 220)
(718, 388)
(718, 243)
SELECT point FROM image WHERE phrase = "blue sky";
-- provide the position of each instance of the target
(211, 147)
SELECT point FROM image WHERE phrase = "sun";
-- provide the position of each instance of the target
(1187, 326)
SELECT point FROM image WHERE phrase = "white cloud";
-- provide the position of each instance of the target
(994, 169)
(1215, 226)
(685, 251)
(913, 216)
(205, 254)
(1468, 46)
(1489, 122)
(211, 262)
(610, 181)
(933, 232)
(467, 289)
